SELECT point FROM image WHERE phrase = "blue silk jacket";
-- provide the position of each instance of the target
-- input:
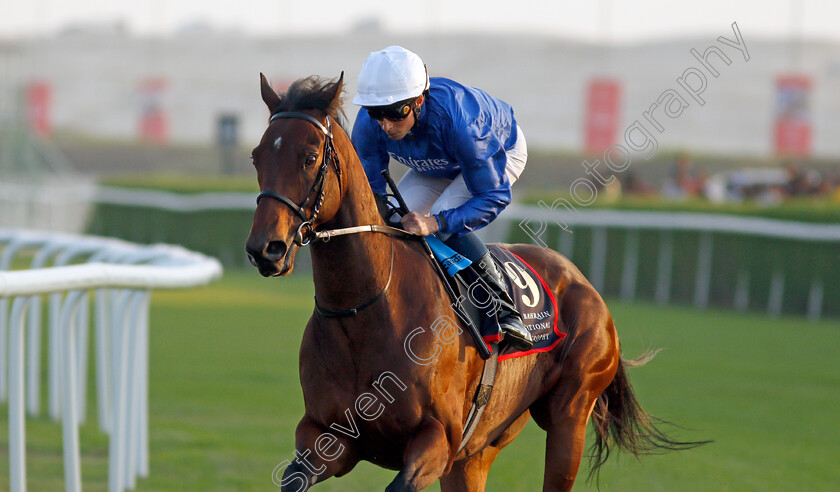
(460, 130)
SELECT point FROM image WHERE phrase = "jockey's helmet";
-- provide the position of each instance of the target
(389, 76)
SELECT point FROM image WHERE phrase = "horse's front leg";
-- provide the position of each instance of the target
(424, 460)
(319, 454)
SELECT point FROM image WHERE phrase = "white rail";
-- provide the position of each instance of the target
(535, 220)
(687, 221)
(545, 214)
(50, 202)
(123, 275)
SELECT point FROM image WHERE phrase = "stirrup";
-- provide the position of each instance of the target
(515, 335)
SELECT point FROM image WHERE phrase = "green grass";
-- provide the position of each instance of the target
(225, 399)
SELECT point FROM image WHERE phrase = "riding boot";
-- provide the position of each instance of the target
(510, 321)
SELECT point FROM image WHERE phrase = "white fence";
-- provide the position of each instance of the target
(747, 286)
(39, 188)
(535, 221)
(122, 275)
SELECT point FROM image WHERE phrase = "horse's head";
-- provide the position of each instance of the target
(297, 170)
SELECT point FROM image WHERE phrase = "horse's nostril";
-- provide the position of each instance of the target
(275, 250)
(253, 251)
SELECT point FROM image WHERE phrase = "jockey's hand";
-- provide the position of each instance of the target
(419, 224)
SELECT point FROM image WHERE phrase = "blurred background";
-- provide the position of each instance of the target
(729, 108)
(136, 120)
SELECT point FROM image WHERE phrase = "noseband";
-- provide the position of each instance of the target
(305, 232)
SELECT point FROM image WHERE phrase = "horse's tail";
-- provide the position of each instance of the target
(620, 421)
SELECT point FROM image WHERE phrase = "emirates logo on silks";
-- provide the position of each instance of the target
(421, 165)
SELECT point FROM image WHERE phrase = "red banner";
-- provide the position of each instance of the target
(792, 131)
(38, 100)
(153, 122)
(603, 98)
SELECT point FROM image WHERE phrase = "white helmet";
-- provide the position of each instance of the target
(390, 75)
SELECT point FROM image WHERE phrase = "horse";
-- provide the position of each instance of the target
(364, 398)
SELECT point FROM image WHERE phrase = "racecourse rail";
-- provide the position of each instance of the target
(122, 276)
(613, 247)
(535, 220)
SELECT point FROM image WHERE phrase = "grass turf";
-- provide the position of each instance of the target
(225, 399)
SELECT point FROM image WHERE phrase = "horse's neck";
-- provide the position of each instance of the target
(351, 269)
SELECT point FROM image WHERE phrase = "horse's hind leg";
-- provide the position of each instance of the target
(586, 371)
(563, 414)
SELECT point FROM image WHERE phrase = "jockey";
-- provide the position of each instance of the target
(464, 150)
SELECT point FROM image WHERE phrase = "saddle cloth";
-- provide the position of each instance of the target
(532, 297)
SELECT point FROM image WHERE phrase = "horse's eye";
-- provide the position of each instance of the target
(311, 159)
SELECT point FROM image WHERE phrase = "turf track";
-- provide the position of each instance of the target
(225, 400)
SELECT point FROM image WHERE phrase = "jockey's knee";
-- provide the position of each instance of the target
(469, 245)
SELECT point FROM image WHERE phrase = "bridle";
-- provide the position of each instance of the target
(305, 232)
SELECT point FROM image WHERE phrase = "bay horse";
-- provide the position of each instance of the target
(364, 398)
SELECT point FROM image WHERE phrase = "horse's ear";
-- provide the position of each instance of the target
(271, 99)
(339, 87)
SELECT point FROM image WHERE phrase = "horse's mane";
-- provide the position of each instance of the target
(313, 92)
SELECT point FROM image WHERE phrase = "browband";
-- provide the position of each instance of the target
(303, 116)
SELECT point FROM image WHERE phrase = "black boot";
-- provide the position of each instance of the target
(510, 320)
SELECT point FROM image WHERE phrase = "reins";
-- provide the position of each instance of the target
(384, 229)
(306, 233)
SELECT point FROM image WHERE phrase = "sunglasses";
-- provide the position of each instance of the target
(395, 112)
